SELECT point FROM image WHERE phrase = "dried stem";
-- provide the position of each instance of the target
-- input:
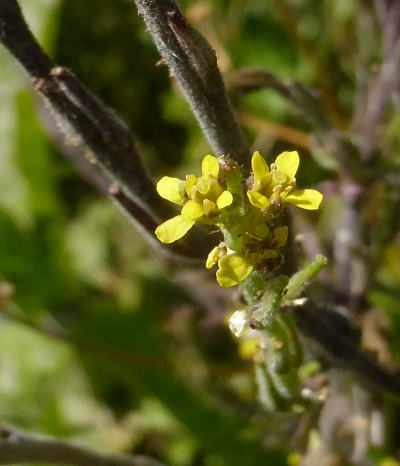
(341, 342)
(89, 124)
(384, 82)
(18, 447)
(193, 63)
(92, 123)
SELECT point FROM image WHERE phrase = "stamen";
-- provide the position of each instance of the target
(276, 202)
(253, 236)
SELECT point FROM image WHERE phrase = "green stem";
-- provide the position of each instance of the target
(301, 279)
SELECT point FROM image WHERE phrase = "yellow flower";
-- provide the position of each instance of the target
(262, 248)
(173, 229)
(216, 254)
(258, 247)
(202, 199)
(250, 348)
(251, 239)
(271, 186)
(172, 189)
(232, 270)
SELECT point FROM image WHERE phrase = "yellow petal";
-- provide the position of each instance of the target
(209, 166)
(209, 206)
(171, 189)
(212, 257)
(232, 270)
(281, 236)
(249, 348)
(224, 200)
(190, 182)
(173, 229)
(257, 200)
(259, 167)
(309, 199)
(192, 210)
(288, 163)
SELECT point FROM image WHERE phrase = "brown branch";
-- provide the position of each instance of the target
(339, 340)
(94, 128)
(19, 447)
(90, 121)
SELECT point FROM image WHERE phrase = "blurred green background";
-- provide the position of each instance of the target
(96, 343)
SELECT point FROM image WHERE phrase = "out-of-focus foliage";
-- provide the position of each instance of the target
(96, 343)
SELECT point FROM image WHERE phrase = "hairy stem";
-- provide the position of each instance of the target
(193, 63)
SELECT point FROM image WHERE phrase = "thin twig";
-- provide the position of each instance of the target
(193, 63)
(275, 130)
(306, 101)
(19, 447)
(340, 341)
(90, 121)
(384, 82)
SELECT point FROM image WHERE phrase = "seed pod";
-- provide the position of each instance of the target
(287, 385)
(276, 345)
(267, 393)
(294, 344)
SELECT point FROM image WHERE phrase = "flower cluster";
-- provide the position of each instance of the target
(247, 212)
(201, 199)
(277, 185)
